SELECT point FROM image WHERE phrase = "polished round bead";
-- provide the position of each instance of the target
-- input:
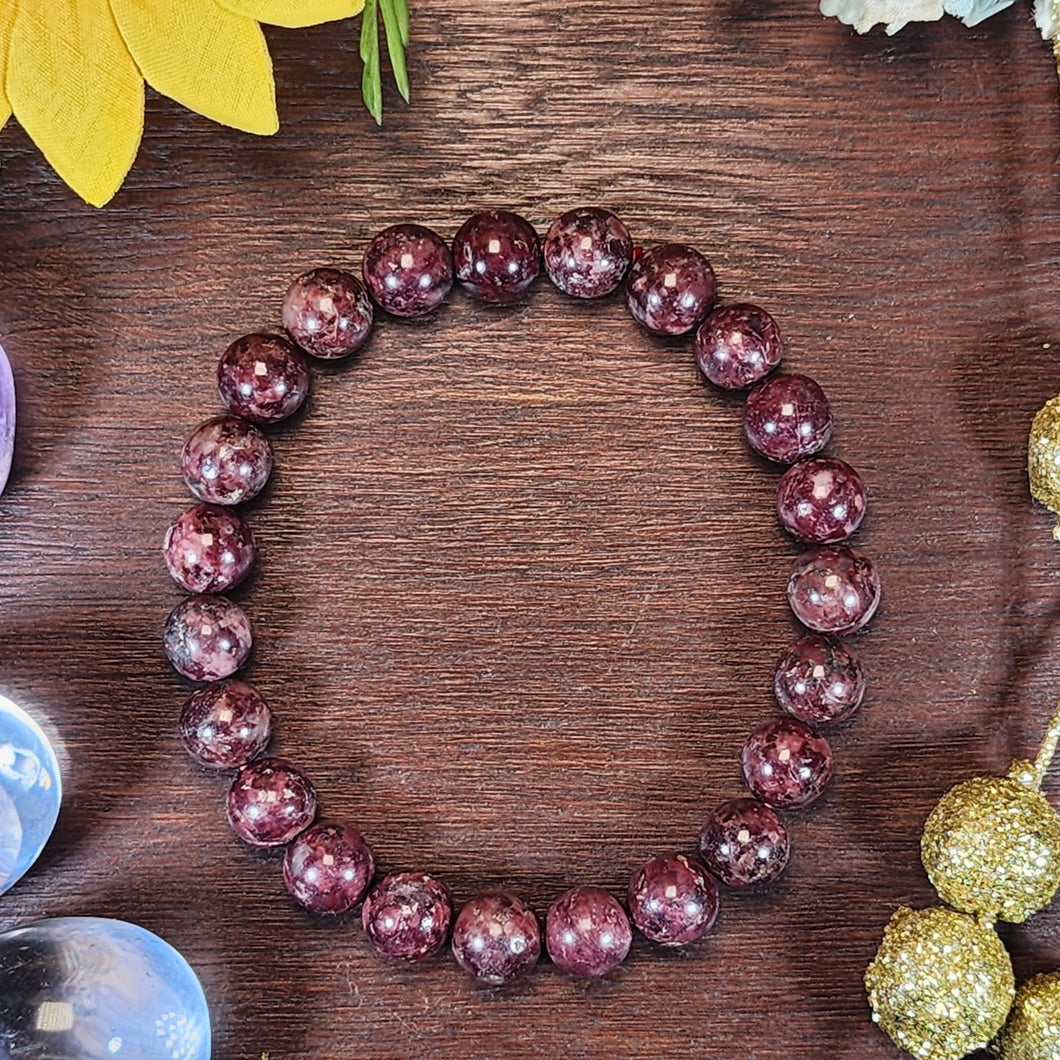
(737, 345)
(834, 590)
(328, 868)
(821, 500)
(263, 378)
(587, 252)
(408, 270)
(328, 313)
(496, 938)
(225, 725)
(496, 255)
(786, 418)
(406, 916)
(671, 289)
(208, 549)
(786, 763)
(744, 843)
(270, 802)
(819, 680)
(207, 638)
(226, 461)
(587, 932)
(673, 900)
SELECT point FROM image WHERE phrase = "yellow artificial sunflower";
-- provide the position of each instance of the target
(73, 71)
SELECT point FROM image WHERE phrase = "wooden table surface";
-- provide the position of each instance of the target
(521, 586)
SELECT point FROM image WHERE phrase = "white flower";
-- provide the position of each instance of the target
(864, 14)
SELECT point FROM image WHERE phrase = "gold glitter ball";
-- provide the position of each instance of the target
(991, 847)
(1033, 1028)
(1043, 458)
(941, 984)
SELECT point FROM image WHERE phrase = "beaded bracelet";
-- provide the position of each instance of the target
(328, 867)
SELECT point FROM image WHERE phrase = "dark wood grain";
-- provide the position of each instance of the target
(521, 586)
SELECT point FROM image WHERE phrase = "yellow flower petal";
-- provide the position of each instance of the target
(76, 91)
(294, 13)
(202, 55)
(7, 20)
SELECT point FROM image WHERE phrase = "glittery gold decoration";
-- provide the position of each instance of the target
(1033, 1028)
(992, 846)
(941, 984)
(1043, 458)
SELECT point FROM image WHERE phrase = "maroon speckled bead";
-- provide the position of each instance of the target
(834, 590)
(587, 252)
(587, 932)
(328, 313)
(786, 764)
(270, 802)
(208, 549)
(406, 916)
(496, 938)
(819, 680)
(671, 289)
(673, 900)
(408, 270)
(226, 461)
(821, 500)
(496, 255)
(225, 725)
(263, 378)
(737, 345)
(744, 843)
(786, 418)
(328, 868)
(207, 637)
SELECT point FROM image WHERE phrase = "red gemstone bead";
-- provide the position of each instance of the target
(671, 289)
(786, 418)
(673, 900)
(786, 764)
(819, 680)
(587, 252)
(834, 590)
(208, 549)
(587, 932)
(207, 638)
(328, 313)
(225, 725)
(408, 270)
(496, 938)
(328, 868)
(263, 378)
(226, 461)
(406, 916)
(821, 500)
(496, 255)
(737, 345)
(744, 843)
(270, 802)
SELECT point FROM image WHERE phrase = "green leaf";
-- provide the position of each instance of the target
(371, 79)
(402, 9)
(395, 45)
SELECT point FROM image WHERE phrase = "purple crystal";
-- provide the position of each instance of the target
(786, 764)
(263, 378)
(496, 255)
(744, 843)
(786, 418)
(7, 418)
(328, 868)
(673, 900)
(587, 252)
(821, 500)
(496, 938)
(819, 680)
(671, 288)
(207, 638)
(406, 916)
(328, 313)
(226, 461)
(834, 590)
(587, 932)
(737, 345)
(225, 725)
(208, 549)
(408, 269)
(270, 802)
